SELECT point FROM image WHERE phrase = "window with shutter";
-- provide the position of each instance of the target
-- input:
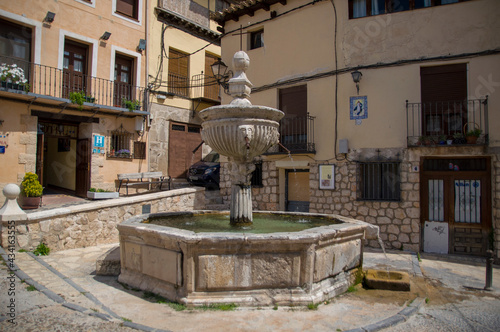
(444, 98)
(178, 73)
(128, 8)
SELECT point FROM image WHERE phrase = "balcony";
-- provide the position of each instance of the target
(296, 135)
(61, 88)
(205, 87)
(450, 123)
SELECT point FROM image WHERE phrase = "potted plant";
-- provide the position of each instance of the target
(442, 139)
(123, 153)
(94, 193)
(12, 77)
(472, 135)
(459, 138)
(132, 105)
(31, 192)
(79, 98)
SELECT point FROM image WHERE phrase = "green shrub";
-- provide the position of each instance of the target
(31, 187)
(42, 250)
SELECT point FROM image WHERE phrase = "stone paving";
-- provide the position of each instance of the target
(98, 303)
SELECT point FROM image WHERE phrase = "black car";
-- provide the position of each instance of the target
(206, 173)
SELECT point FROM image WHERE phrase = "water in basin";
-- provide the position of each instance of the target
(262, 223)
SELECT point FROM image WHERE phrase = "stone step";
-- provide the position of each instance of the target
(108, 264)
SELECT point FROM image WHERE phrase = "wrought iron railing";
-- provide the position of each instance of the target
(60, 83)
(296, 135)
(205, 86)
(453, 122)
(178, 85)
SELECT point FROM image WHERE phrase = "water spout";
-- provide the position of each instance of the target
(284, 148)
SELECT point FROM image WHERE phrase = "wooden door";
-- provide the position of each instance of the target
(82, 167)
(183, 139)
(74, 69)
(124, 89)
(297, 190)
(456, 193)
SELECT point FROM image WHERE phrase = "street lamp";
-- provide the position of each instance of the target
(221, 74)
(356, 77)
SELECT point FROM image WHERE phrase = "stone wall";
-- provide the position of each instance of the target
(95, 223)
(399, 222)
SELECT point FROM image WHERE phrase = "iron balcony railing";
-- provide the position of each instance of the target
(296, 135)
(453, 122)
(61, 83)
(205, 86)
(178, 85)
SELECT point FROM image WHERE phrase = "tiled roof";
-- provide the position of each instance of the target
(244, 7)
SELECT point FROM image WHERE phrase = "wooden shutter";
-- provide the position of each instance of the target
(211, 90)
(178, 63)
(293, 101)
(127, 7)
(444, 83)
(140, 150)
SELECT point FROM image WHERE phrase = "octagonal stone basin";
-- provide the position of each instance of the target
(285, 268)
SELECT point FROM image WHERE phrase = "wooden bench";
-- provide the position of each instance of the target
(145, 178)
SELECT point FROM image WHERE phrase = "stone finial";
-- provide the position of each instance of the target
(239, 86)
(10, 209)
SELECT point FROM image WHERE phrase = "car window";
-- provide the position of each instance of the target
(212, 157)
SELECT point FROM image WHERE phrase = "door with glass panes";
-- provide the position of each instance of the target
(456, 205)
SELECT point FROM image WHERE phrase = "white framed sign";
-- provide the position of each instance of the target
(326, 176)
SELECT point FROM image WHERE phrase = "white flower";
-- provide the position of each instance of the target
(13, 73)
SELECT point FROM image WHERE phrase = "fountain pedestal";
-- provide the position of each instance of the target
(241, 193)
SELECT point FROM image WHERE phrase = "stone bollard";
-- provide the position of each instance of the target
(10, 213)
(489, 270)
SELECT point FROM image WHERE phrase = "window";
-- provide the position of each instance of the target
(362, 8)
(256, 39)
(378, 181)
(124, 89)
(15, 45)
(178, 73)
(119, 145)
(128, 8)
(444, 95)
(256, 180)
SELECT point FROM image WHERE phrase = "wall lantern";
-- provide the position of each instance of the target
(106, 36)
(221, 74)
(142, 45)
(356, 77)
(49, 18)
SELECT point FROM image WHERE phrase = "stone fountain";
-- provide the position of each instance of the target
(197, 267)
(241, 132)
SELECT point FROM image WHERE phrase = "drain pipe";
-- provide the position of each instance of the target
(489, 270)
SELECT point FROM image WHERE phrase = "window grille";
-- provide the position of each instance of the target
(119, 145)
(379, 181)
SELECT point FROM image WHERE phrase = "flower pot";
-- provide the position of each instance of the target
(102, 195)
(449, 142)
(471, 139)
(30, 203)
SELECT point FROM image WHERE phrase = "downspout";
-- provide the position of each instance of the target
(146, 72)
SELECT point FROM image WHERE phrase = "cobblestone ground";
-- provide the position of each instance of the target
(35, 312)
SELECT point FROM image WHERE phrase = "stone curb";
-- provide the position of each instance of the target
(394, 320)
(58, 299)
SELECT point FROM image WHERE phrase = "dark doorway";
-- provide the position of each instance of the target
(75, 69)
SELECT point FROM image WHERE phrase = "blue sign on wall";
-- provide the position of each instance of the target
(2, 149)
(99, 141)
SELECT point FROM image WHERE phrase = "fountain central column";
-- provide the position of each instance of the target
(240, 131)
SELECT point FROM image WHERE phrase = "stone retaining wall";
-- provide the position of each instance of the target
(91, 224)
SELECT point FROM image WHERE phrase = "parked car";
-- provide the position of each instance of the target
(206, 173)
